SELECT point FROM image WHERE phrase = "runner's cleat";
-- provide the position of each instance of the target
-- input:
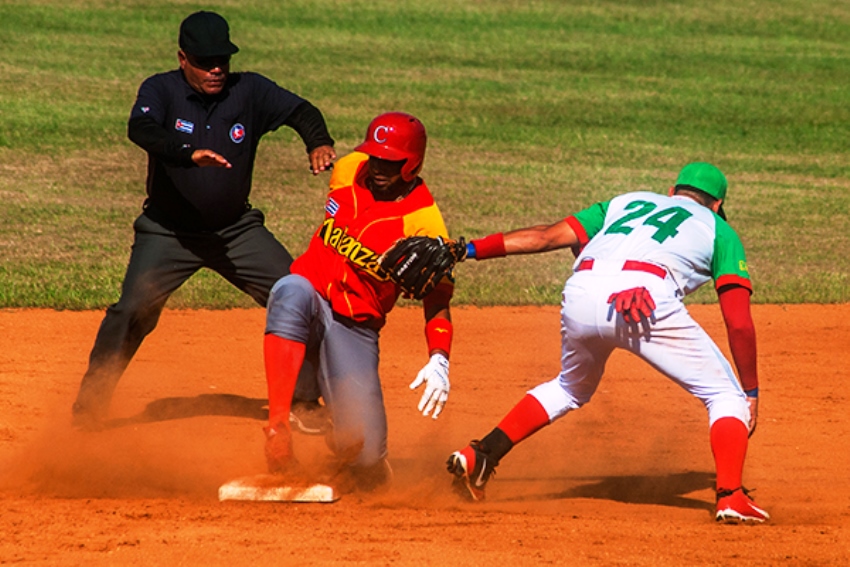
(310, 418)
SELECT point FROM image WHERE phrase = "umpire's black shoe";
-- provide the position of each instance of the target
(85, 419)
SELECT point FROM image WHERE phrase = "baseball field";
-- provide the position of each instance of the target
(627, 480)
(534, 110)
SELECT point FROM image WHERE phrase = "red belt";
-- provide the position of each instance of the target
(628, 265)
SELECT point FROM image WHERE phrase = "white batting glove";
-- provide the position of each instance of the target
(435, 376)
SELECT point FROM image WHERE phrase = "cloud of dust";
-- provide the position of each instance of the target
(144, 461)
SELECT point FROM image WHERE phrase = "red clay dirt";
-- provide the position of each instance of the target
(627, 480)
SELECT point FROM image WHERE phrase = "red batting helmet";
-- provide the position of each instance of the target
(397, 136)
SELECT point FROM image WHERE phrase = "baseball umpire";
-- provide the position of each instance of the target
(332, 307)
(200, 126)
(638, 255)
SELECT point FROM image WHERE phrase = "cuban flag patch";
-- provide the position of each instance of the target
(331, 207)
(237, 133)
(184, 126)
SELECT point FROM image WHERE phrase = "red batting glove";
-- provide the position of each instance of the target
(633, 303)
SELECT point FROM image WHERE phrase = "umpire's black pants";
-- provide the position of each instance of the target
(246, 254)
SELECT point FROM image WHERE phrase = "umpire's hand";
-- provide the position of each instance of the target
(208, 158)
(321, 159)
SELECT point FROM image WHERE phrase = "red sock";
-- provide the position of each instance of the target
(729, 445)
(524, 419)
(283, 359)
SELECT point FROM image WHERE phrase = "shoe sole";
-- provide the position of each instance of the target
(732, 517)
(461, 484)
(87, 423)
(297, 425)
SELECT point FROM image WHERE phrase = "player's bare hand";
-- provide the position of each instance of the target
(435, 376)
(321, 159)
(208, 158)
(754, 413)
(633, 303)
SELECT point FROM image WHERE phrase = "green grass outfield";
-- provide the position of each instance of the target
(534, 110)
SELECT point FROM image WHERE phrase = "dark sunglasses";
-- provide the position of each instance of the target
(208, 63)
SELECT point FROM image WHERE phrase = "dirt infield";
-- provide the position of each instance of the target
(627, 480)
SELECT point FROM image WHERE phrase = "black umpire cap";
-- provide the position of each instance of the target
(206, 34)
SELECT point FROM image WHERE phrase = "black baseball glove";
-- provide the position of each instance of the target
(418, 263)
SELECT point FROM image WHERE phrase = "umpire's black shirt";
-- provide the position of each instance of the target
(170, 120)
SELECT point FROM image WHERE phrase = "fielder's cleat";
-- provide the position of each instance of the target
(736, 507)
(310, 417)
(472, 468)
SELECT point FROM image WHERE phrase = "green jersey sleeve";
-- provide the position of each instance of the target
(592, 219)
(729, 262)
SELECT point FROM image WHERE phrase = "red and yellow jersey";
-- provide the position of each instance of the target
(342, 258)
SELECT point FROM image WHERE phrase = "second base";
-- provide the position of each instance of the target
(269, 488)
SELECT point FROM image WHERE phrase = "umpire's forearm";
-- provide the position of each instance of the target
(310, 125)
(146, 133)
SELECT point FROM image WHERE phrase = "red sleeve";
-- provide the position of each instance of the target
(583, 239)
(733, 280)
(438, 329)
(735, 306)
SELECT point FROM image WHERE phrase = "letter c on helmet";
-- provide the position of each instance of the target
(381, 134)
